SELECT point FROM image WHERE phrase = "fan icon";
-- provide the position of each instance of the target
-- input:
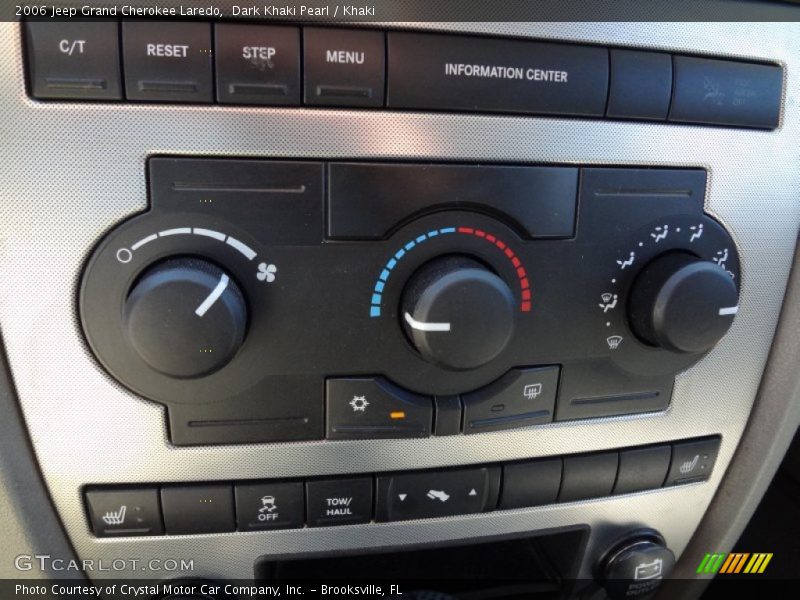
(266, 272)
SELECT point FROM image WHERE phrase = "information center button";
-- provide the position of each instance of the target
(339, 501)
(481, 74)
(257, 64)
(77, 60)
(343, 67)
(167, 61)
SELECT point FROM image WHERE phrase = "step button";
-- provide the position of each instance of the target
(257, 64)
(167, 62)
(77, 60)
(343, 67)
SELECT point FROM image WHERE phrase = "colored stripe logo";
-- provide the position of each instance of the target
(735, 562)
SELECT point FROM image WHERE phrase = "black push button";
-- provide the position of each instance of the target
(642, 469)
(641, 85)
(197, 508)
(447, 415)
(722, 92)
(339, 501)
(531, 483)
(343, 67)
(692, 461)
(167, 61)
(257, 64)
(374, 408)
(270, 506)
(521, 397)
(590, 476)
(77, 59)
(483, 74)
(367, 201)
(121, 512)
(437, 493)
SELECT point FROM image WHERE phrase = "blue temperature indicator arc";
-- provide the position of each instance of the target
(377, 292)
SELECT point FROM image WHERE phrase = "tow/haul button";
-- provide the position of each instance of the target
(77, 60)
(367, 407)
(343, 67)
(167, 62)
(339, 501)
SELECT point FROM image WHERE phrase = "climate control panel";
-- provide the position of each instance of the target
(287, 300)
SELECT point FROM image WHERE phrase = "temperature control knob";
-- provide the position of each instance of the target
(457, 313)
(185, 317)
(682, 303)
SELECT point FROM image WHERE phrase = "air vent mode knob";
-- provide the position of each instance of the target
(457, 313)
(185, 317)
(682, 303)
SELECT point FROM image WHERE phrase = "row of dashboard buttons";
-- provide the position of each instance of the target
(261, 64)
(251, 506)
(371, 407)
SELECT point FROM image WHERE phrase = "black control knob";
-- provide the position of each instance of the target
(185, 317)
(636, 567)
(682, 303)
(457, 313)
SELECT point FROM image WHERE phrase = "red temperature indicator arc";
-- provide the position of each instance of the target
(522, 275)
(376, 302)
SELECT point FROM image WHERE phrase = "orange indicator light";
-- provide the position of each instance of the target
(397, 414)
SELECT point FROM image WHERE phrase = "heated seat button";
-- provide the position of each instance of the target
(588, 476)
(77, 60)
(642, 469)
(339, 501)
(197, 508)
(641, 85)
(343, 67)
(692, 461)
(724, 92)
(257, 64)
(437, 493)
(167, 61)
(521, 397)
(269, 506)
(374, 408)
(124, 512)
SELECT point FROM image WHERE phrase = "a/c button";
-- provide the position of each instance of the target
(368, 407)
(520, 397)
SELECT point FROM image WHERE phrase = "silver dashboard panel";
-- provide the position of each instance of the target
(70, 171)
